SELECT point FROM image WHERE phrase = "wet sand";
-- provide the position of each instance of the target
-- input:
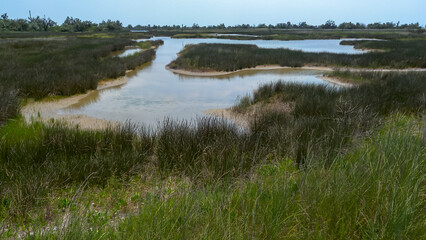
(213, 73)
(47, 110)
(257, 68)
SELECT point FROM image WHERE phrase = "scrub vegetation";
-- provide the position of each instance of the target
(337, 164)
(231, 57)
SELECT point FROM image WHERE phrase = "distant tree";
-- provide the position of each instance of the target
(110, 25)
(347, 25)
(378, 25)
(46, 23)
(329, 24)
(76, 25)
(303, 25)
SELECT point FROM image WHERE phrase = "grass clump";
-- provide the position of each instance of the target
(9, 107)
(323, 120)
(148, 44)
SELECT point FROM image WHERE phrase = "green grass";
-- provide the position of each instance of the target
(373, 192)
(232, 57)
(149, 44)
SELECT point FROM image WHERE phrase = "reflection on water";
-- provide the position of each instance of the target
(153, 93)
(129, 52)
(126, 52)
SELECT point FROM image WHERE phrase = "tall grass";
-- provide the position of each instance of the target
(230, 57)
(373, 192)
(323, 120)
(9, 107)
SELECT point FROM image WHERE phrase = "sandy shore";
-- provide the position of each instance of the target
(275, 67)
(47, 110)
(257, 68)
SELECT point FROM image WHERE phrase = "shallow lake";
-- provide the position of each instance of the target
(154, 93)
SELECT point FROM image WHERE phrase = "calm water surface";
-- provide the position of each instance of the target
(154, 93)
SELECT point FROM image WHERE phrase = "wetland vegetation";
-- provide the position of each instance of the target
(226, 57)
(316, 162)
(329, 166)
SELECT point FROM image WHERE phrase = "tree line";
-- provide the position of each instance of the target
(329, 24)
(77, 25)
(46, 24)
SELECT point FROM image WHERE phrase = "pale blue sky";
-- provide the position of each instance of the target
(230, 12)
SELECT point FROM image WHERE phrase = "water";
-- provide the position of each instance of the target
(233, 34)
(154, 93)
(129, 52)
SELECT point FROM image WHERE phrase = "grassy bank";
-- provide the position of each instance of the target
(317, 170)
(60, 67)
(230, 57)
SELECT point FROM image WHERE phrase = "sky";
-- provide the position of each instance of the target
(229, 12)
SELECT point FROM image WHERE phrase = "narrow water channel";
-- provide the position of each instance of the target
(154, 93)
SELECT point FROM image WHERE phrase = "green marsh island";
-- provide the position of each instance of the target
(284, 131)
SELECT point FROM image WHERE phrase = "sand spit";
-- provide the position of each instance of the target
(201, 73)
(257, 68)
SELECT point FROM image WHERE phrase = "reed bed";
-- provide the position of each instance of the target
(231, 57)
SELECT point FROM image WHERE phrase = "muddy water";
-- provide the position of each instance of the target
(154, 93)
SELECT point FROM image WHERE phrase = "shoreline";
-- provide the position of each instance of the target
(47, 110)
(257, 68)
(214, 73)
